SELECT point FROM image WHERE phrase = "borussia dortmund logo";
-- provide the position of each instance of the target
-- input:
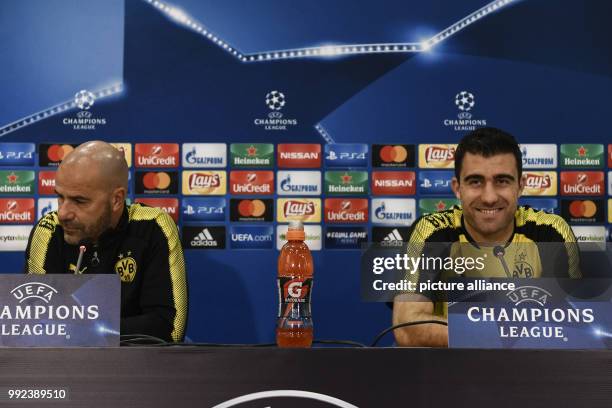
(522, 269)
(126, 267)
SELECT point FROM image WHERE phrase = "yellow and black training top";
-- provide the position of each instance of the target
(144, 250)
(542, 245)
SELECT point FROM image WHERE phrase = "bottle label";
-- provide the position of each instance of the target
(292, 292)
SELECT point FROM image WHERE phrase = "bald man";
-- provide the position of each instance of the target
(139, 243)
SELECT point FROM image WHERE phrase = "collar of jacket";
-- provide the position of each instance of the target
(111, 234)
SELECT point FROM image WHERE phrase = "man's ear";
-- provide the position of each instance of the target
(455, 187)
(118, 198)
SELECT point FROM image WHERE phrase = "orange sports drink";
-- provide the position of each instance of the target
(294, 281)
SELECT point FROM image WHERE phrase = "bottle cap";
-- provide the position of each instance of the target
(296, 231)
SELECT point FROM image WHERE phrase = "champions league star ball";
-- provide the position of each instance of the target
(275, 100)
(84, 99)
(465, 101)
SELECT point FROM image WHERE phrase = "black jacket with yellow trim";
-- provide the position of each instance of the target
(547, 238)
(144, 250)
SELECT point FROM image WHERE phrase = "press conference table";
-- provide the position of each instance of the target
(180, 377)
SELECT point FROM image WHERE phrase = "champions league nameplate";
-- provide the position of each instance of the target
(541, 313)
(59, 310)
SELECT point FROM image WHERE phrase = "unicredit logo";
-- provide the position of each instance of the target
(156, 155)
(346, 210)
(17, 211)
(252, 182)
(582, 183)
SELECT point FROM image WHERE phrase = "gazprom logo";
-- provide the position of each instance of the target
(539, 156)
(393, 211)
(209, 155)
(33, 290)
(299, 183)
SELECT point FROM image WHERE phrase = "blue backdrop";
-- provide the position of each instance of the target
(363, 72)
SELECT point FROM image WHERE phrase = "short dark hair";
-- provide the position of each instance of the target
(487, 142)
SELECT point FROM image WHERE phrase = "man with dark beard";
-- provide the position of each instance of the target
(512, 240)
(139, 243)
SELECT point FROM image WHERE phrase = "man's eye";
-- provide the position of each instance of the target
(503, 181)
(474, 182)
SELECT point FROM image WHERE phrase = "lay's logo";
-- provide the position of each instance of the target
(437, 156)
(540, 183)
(204, 182)
(302, 209)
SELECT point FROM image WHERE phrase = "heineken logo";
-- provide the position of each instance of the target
(433, 205)
(252, 155)
(582, 155)
(17, 181)
(346, 182)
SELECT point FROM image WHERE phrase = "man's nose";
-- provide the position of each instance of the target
(489, 194)
(65, 212)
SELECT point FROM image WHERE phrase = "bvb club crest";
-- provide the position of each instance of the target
(126, 267)
(522, 269)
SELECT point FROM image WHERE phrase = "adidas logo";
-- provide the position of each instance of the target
(204, 239)
(393, 238)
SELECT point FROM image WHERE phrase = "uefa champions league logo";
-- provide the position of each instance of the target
(84, 99)
(464, 102)
(275, 101)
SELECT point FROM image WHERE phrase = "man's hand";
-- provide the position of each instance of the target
(415, 307)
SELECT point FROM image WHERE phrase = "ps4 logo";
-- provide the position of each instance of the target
(190, 210)
(345, 156)
(438, 183)
(16, 155)
(435, 182)
(204, 209)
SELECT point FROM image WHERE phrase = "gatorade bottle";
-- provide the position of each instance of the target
(294, 323)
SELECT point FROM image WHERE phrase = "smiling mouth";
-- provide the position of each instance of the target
(489, 211)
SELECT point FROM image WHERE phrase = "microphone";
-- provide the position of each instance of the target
(83, 245)
(82, 250)
(499, 252)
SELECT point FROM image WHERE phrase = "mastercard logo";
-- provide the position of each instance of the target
(583, 209)
(251, 208)
(393, 154)
(56, 153)
(156, 181)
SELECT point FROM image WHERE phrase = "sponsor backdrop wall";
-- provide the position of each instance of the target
(238, 118)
